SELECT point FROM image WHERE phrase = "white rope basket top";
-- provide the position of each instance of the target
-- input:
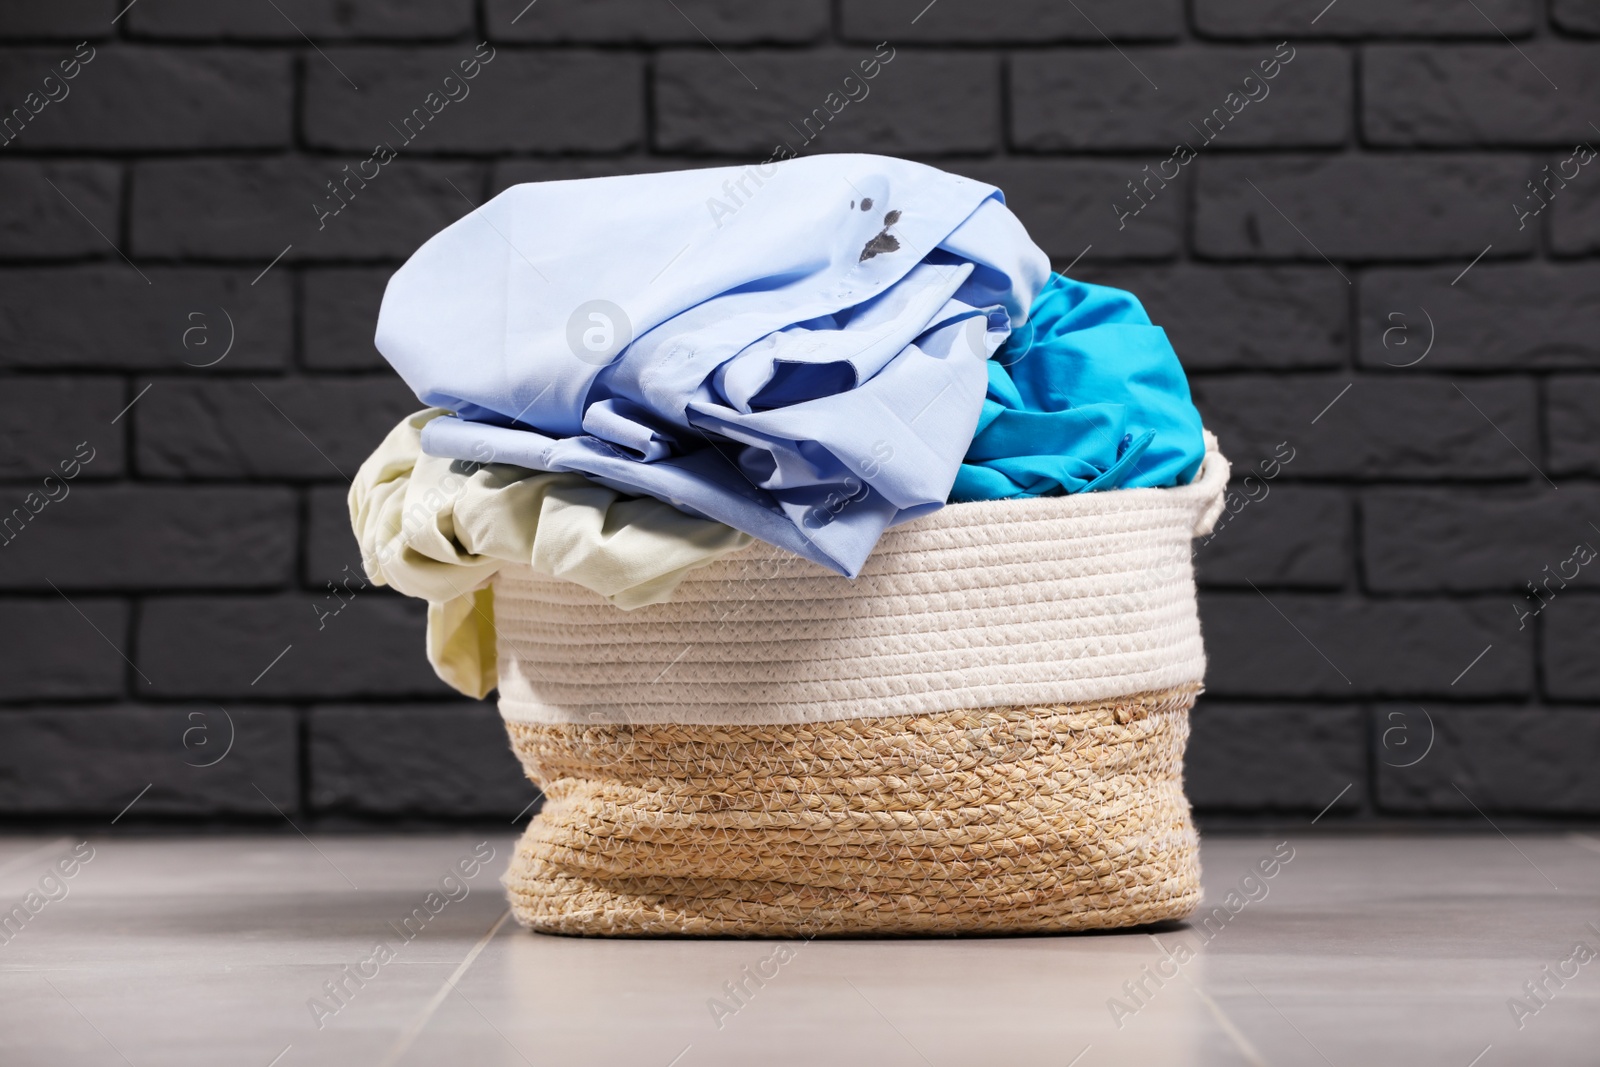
(1048, 600)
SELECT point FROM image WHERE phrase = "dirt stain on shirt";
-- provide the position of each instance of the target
(883, 240)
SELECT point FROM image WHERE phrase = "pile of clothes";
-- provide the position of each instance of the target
(624, 386)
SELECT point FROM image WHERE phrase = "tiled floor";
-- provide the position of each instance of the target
(1358, 951)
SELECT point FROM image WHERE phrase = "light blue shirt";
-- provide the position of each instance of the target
(797, 349)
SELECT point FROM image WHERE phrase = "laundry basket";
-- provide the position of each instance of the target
(983, 732)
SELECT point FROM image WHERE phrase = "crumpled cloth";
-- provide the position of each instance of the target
(440, 529)
(1087, 396)
(796, 349)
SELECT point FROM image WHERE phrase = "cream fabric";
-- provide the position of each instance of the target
(1049, 600)
(441, 529)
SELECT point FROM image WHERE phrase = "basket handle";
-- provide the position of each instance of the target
(1210, 485)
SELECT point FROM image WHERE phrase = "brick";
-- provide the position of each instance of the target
(107, 316)
(1570, 668)
(1443, 540)
(1017, 21)
(1261, 647)
(918, 102)
(339, 314)
(38, 221)
(1515, 760)
(1576, 16)
(1572, 420)
(1359, 207)
(1398, 426)
(1241, 318)
(332, 552)
(46, 419)
(1496, 316)
(1293, 537)
(545, 101)
(1159, 98)
(1574, 213)
(156, 98)
(60, 649)
(94, 761)
(215, 646)
(1281, 757)
(1068, 206)
(151, 537)
(1479, 95)
(61, 19)
(254, 208)
(518, 171)
(726, 22)
(317, 428)
(1455, 525)
(447, 760)
(1364, 18)
(287, 20)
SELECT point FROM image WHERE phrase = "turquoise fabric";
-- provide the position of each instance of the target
(1088, 395)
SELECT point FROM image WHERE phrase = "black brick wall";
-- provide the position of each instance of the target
(1362, 616)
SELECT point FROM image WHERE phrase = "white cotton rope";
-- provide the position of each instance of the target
(1007, 603)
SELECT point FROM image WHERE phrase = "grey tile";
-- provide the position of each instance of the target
(1384, 951)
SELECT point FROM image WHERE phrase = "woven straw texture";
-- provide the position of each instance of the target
(1006, 820)
(1007, 603)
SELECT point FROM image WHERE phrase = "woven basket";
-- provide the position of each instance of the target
(983, 732)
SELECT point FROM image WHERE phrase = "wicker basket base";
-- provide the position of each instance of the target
(1002, 820)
